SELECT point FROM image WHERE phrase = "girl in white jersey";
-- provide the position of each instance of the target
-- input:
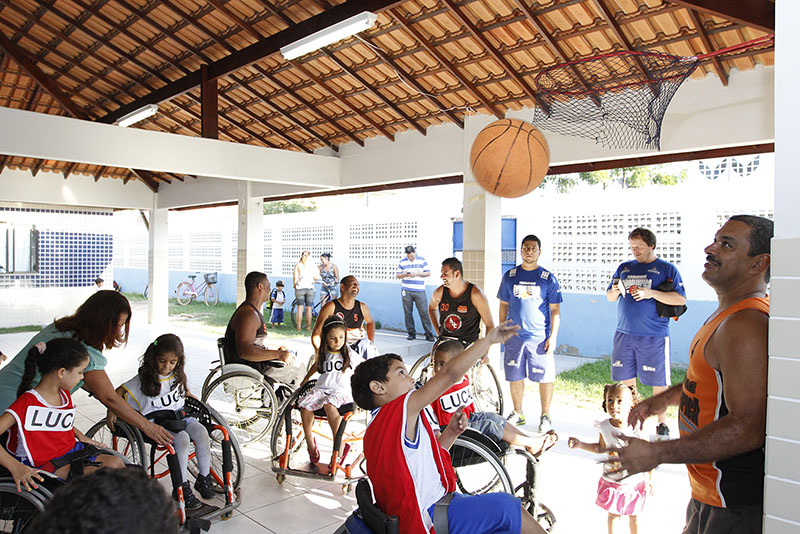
(624, 497)
(158, 392)
(41, 419)
(332, 389)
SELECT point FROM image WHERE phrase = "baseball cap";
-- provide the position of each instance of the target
(410, 249)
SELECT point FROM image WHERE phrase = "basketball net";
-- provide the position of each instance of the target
(618, 99)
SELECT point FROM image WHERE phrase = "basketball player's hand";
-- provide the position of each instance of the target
(643, 410)
(25, 476)
(636, 456)
(458, 423)
(285, 355)
(111, 419)
(502, 332)
(640, 293)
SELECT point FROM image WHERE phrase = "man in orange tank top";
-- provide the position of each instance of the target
(723, 401)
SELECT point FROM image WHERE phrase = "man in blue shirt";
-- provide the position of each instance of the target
(641, 342)
(413, 270)
(531, 297)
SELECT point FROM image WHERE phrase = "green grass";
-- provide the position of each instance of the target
(215, 318)
(134, 297)
(583, 386)
(17, 329)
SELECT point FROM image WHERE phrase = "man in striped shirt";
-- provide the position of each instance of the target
(413, 270)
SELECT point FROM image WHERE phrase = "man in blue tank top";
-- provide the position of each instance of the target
(641, 342)
(531, 297)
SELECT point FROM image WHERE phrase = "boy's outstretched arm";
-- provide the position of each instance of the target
(456, 368)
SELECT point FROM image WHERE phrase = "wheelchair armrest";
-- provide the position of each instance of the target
(275, 363)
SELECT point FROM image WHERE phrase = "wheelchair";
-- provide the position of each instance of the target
(227, 461)
(288, 443)
(488, 395)
(246, 399)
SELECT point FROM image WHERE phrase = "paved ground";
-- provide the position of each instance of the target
(300, 506)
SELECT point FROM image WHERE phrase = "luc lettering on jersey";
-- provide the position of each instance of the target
(42, 419)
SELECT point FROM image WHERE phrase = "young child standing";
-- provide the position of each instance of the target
(332, 389)
(491, 424)
(158, 392)
(618, 497)
(277, 298)
(409, 466)
(41, 419)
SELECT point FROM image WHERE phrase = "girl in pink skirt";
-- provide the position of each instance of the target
(332, 389)
(617, 497)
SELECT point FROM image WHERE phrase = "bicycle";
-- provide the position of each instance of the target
(188, 291)
(324, 298)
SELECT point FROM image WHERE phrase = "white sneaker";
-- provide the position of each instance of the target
(545, 424)
(515, 418)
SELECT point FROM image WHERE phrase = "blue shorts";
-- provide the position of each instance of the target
(526, 358)
(277, 316)
(490, 513)
(644, 356)
(304, 297)
(489, 424)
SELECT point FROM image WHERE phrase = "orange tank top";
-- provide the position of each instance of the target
(737, 481)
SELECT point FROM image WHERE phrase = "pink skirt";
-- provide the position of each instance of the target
(621, 499)
(316, 399)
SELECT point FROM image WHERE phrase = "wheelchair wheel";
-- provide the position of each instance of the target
(124, 439)
(17, 510)
(486, 389)
(478, 469)
(213, 374)
(287, 434)
(247, 404)
(422, 369)
(216, 438)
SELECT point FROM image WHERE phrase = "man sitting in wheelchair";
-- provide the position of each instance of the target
(410, 468)
(490, 424)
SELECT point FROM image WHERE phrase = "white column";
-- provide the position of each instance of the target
(157, 268)
(782, 481)
(482, 226)
(250, 246)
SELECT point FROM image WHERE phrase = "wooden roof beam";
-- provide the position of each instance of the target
(148, 178)
(478, 35)
(447, 64)
(69, 169)
(759, 14)
(706, 40)
(99, 173)
(37, 167)
(251, 54)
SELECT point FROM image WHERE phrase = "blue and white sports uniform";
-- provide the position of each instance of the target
(529, 295)
(641, 342)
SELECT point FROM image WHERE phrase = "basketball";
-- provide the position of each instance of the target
(509, 158)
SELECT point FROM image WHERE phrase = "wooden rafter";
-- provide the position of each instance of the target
(99, 173)
(447, 64)
(498, 57)
(69, 169)
(253, 53)
(208, 106)
(759, 14)
(709, 46)
(148, 178)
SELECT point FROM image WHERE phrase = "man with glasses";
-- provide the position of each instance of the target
(641, 342)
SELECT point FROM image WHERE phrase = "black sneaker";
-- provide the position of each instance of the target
(429, 337)
(662, 432)
(205, 485)
(412, 335)
(189, 499)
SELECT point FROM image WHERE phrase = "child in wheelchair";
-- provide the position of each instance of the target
(42, 436)
(158, 391)
(490, 424)
(409, 466)
(332, 389)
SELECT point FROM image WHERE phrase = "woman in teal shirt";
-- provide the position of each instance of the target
(101, 322)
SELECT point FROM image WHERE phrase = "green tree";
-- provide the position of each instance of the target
(562, 182)
(288, 206)
(627, 177)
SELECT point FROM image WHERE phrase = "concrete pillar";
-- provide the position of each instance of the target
(782, 481)
(250, 245)
(157, 268)
(482, 225)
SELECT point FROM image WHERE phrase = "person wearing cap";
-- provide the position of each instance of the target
(413, 270)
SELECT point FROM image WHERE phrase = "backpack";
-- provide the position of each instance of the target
(665, 310)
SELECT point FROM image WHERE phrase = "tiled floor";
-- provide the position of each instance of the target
(300, 505)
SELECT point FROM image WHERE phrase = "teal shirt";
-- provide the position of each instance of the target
(11, 373)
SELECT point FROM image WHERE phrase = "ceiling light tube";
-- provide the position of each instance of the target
(138, 115)
(341, 30)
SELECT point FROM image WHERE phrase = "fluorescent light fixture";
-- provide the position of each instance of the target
(337, 32)
(139, 115)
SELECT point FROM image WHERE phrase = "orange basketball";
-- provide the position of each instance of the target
(509, 158)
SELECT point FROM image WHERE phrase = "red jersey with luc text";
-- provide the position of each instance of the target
(43, 431)
(453, 399)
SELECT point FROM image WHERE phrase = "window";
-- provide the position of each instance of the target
(19, 248)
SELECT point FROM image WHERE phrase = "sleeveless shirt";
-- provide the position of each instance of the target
(458, 317)
(353, 320)
(232, 354)
(737, 481)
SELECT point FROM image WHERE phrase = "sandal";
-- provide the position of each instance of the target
(313, 456)
(549, 441)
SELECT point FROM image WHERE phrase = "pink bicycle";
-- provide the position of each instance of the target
(189, 290)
